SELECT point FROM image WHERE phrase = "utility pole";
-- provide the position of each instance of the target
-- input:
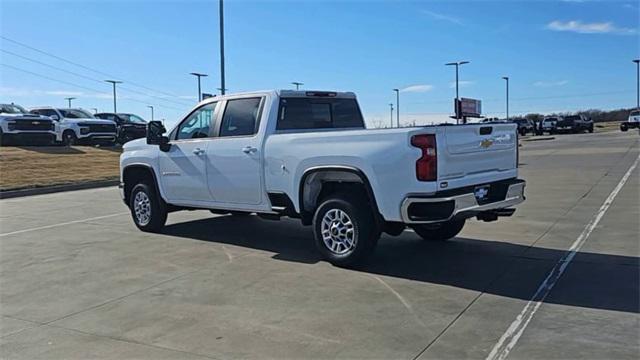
(222, 85)
(637, 61)
(391, 114)
(114, 82)
(297, 84)
(151, 107)
(507, 79)
(222, 91)
(69, 100)
(457, 64)
(199, 75)
(95, 110)
(397, 106)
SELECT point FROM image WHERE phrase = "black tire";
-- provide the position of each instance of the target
(363, 229)
(624, 127)
(69, 138)
(590, 129)
(156, 209)
(523, 132)
(440, 232)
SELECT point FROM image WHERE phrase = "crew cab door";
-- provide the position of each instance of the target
(234, 158)
(183, 170)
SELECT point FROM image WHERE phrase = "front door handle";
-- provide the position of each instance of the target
(198, 151)
(249, 149)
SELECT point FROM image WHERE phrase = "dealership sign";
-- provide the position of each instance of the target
(469, 107)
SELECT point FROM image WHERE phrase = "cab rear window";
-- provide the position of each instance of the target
(314, 113)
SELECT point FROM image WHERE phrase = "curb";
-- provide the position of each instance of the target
(57, 188)
(540, 138)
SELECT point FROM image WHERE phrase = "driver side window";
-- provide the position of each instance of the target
(198, 124)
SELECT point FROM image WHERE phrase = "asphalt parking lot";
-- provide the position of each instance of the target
(78, 281)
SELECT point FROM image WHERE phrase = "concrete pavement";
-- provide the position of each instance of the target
(78, 280)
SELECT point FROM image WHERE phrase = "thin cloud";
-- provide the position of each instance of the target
(550, 83)
(443, 17)
(461, 83)
(417, 88)
(64, 93)
(579, 27)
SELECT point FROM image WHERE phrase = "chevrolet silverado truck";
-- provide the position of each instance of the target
(78, 126)
(308, 155)
(633, 122)
(130, 126)
(574, 124)
(19, 127)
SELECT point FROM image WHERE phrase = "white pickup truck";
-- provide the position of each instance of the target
(307, 155)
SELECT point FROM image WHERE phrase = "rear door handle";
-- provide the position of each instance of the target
(198, 151)
(249, 149)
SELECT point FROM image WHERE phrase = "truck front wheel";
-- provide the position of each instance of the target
(345, 229)
(441, 231)
(148, 210)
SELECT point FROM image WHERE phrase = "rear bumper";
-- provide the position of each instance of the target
(434, 209)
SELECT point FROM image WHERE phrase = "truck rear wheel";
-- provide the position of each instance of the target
(148, 210)
(345, 229)
(440, 232)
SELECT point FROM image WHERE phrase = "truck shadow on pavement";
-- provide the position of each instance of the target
(57, 150)
(593, 280)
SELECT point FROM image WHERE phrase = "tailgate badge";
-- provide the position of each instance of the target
(485, 143)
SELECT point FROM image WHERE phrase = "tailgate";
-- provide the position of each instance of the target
(476, 154)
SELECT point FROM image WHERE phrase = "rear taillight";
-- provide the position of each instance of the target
(427, 164)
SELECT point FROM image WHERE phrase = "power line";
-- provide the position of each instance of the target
(83, 66)
(91, 78)
(81, 86)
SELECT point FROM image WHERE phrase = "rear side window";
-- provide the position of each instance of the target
(310, 113)
(241, 117)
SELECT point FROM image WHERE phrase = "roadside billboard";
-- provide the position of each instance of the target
(469, 107)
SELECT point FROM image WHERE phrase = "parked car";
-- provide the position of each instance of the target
(574, 124)
(549, 124)
(307, 155)
(524, 126)
(78, 126)
(130, 126)
(19, 127)
(633, 122)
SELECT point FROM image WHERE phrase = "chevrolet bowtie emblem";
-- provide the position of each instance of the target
(486, 143)
(35, 123)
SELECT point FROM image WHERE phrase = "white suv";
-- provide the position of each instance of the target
(78, 126)
(18, 126)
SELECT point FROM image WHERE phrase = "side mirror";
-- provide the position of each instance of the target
(155, 129)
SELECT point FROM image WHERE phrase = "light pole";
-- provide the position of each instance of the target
(391, 114)
(222, 91)
(397, 106)
(69, 100)
(297, 84)
(507, 79)
(95, 110)
(199, 75)
(457, 64)
(151, 107)
(637, 61)
(222, 85)
(114, 82)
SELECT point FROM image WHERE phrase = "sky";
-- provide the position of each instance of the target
(559, 55)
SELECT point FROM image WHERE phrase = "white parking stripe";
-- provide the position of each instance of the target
(61, 224)
(509, 339)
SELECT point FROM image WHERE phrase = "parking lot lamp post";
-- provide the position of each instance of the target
(397, 106)
(457, 64)
(114, 82)
(391, 113)
(95, 110)
(507, 79)
(151, 107)
(637, 61)
(297, 84)
(221, 13)
(69, 100)
(199, 75)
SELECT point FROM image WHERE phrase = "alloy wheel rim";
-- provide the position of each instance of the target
(338, 232)
(142, 208)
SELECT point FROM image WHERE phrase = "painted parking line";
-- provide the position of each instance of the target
(61, 224)
(510, 338)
